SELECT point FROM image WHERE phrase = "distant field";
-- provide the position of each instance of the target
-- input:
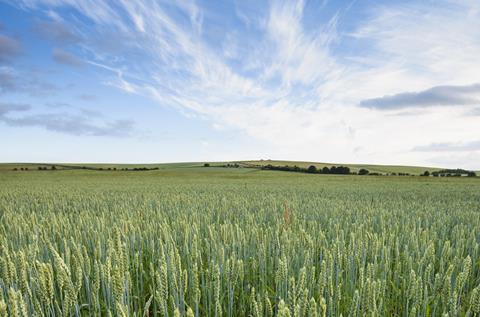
(186, 240)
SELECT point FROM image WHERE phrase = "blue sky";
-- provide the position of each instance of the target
(392, 82)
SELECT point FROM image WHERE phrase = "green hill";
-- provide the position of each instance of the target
(372, 168)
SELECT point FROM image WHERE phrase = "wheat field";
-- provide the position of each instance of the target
(190, 242)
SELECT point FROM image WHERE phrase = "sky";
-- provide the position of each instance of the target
(380, 82)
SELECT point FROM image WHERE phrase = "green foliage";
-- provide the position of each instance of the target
(363, 171)
(311, 169)
(237, 242)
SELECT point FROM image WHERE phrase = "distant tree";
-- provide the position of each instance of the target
(471, 174)
(26, 168)
(114, 168)
(53, 167)
(426, 173)
(15, 169)
(206, 165)
(363, 171)
(343, 170)
(311, 169)
(339, 170)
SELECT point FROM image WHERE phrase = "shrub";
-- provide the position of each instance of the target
(363, 171)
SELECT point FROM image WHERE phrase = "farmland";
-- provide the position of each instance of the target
(185, 240)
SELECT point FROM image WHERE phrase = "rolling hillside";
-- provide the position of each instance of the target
(414, 170)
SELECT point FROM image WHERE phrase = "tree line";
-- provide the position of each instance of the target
(450, 173)
(312, 169)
